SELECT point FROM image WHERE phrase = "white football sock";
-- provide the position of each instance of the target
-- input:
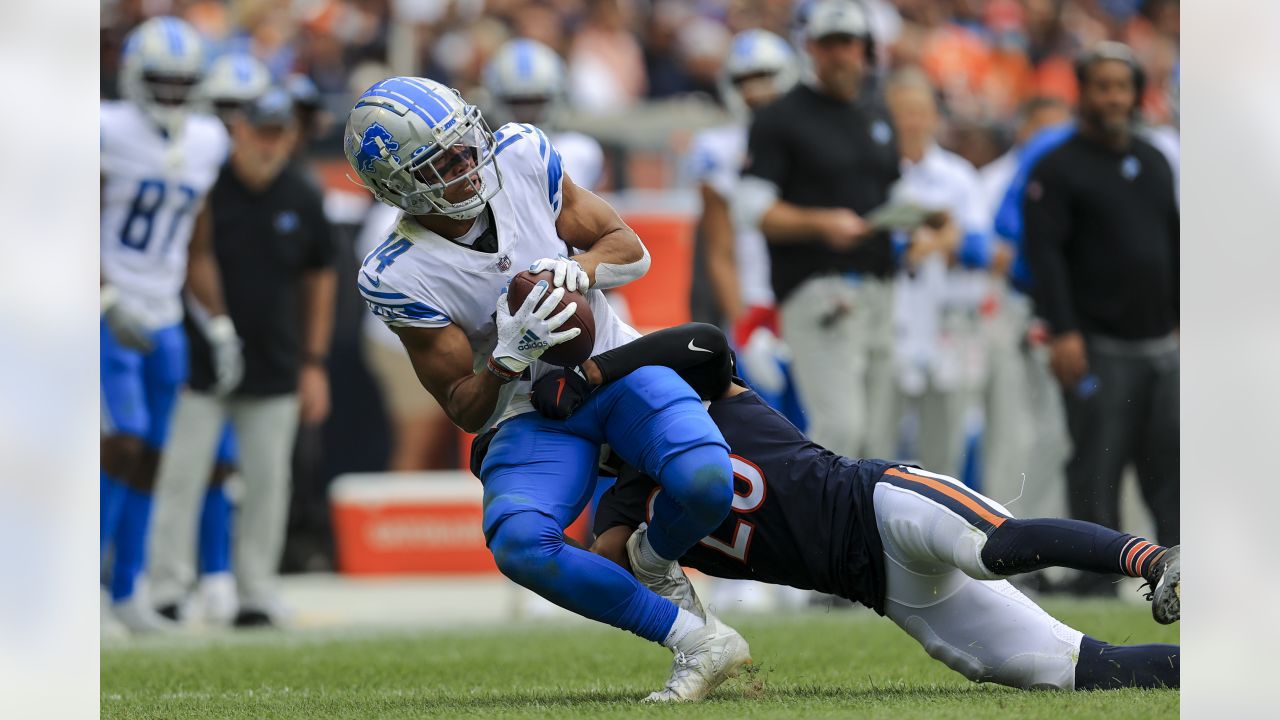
(649, 559)
(686, 623)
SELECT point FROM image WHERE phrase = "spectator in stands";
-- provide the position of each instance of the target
(942, 282)
(606, 63)
(820, 160)
(275, 253)
(1101, 227)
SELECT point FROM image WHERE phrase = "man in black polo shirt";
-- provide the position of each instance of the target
(819, 159)
(275, 252)
(1101, 224)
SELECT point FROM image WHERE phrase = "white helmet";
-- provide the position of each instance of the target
(526, 80)
(233, 82)
(412, 140)
(163, 62)
(756, 53)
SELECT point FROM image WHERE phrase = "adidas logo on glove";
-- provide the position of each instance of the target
(530, 342)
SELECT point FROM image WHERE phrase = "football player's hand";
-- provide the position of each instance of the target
(525, 335)
(568, 273)
(559, 394)
(228, 360)
(126, 327)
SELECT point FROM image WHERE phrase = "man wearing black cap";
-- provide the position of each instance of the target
(820, 159)
(275, 251)
(1101, 228)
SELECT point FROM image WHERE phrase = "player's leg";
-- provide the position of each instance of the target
(161, 372)
(124, 421)
(934, 516)
(987, 630)
(265, 429)
(184, 466)
(216, 589)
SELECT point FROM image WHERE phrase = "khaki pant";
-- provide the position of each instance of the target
(265, 429)
(840, 334)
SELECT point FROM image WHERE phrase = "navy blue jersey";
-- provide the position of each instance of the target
(802, 515)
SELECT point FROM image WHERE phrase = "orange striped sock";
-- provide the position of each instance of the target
(1139, 556)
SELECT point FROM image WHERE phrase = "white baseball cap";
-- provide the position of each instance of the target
(837, 17)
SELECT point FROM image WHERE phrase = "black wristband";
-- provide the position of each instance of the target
(310, 359)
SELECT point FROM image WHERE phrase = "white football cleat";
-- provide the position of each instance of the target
(673, 584)
(713, 654)
(110, 627)
(216, 599)
(136, 614)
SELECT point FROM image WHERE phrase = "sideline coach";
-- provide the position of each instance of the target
(820, 158)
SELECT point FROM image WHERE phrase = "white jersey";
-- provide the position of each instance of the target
(716, 157)
(417, 278)
(582, 158)
(152, 190)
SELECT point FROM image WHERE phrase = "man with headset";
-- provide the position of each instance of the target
(1100, 232)
(820, 159)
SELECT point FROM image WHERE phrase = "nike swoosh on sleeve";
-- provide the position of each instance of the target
(695, 348)
(376, 282)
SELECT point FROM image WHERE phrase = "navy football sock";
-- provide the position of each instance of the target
(215, 532)
(1107, 667)
(529, 548)
(131, 542)
(697, 494)
(1020, 546)
(111, 504)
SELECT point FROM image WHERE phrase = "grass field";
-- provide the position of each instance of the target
(841, 664)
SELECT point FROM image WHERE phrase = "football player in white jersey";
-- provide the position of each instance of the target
(478, 207)
(526, 83)
(233, 81)
(158, 161)
(760, 67)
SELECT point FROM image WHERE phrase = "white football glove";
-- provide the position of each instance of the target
(524, 336)
(126, 327)
(228, 360)
(568, 273)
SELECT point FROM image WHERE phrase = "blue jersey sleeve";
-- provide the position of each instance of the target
(1008, 220)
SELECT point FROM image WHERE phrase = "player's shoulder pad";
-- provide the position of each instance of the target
(393, 291)
(525, 149)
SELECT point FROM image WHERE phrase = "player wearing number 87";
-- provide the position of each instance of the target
(159, 158)
(479, 206)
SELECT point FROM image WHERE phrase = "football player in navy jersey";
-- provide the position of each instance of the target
(916, 546)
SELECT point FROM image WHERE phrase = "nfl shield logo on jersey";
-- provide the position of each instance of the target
(504, 263)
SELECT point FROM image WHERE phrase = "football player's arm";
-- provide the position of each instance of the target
(717, 237)
(613, 254)
(698, 352)
(442, 359)
(203, 279)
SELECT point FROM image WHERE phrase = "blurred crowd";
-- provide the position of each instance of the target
(976, 77)
(983, 56)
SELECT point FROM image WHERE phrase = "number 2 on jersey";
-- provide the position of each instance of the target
(749, 501)
(139, 224)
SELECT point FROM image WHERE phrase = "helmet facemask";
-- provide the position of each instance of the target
(444, 177)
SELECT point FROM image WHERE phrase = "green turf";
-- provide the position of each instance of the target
(841, 664)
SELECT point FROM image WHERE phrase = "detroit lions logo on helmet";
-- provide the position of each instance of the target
(375, 145)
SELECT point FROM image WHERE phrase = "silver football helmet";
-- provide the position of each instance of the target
(526, 81)
(163, 62)
(233, 82)
(417, 145)
(757, 54)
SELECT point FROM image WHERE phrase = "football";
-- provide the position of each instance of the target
(576, 350)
